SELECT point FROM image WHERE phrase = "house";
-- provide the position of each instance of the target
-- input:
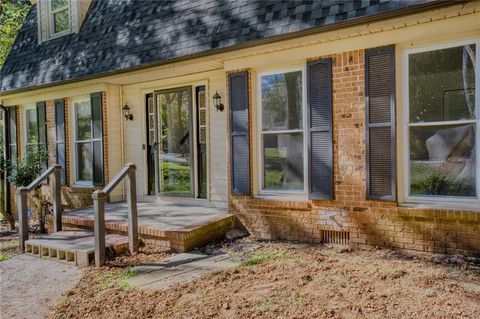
(317, 121)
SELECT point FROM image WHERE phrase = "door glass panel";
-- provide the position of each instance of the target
(174, 131)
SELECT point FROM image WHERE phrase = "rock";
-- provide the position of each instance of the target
(234, 234)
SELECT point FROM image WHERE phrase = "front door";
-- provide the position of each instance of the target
(173, 142)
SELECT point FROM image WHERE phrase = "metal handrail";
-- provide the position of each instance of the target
(99, 198)
(56, 192)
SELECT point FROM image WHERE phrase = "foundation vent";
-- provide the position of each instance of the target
(335, 237)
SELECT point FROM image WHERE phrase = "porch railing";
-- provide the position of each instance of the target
(56, 193)
(99, 198)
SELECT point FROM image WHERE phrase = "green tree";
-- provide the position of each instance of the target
(12, 15)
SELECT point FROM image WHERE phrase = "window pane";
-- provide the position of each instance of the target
(283, 161)
(61, 21)
(84, 117)
(442, 84)
(442, 160)
(32, 126)
(282, 101)
(58, 4)
(84, 161)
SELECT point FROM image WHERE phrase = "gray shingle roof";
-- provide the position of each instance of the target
(124, 34)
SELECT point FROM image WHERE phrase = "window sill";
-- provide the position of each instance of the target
(466, 206)
(282, 196)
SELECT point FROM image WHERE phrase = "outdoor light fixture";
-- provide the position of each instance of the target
(126, 113)
(217, 101)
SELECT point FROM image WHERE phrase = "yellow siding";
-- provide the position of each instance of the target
(436, 26)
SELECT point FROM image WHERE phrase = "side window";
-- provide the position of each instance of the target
(88, 140)
(282, 132)
(83, 142)
(31, 127)
(443, 123)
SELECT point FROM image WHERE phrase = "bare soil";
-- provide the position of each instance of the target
(280, 280)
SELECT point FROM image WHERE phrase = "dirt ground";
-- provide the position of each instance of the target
(280, 280)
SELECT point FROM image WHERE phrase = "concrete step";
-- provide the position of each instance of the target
(75, 247)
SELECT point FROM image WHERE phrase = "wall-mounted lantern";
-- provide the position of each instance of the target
(217, 102)
(126, 113)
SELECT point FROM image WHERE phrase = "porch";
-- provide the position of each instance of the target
(182, 226)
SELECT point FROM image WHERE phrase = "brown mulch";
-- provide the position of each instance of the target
(281, 280)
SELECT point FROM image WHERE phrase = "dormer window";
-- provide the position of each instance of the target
(59, 16)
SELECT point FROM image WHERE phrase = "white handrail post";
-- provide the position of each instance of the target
(56, 190)
(22, 217)
(132, 209)
(99, 226)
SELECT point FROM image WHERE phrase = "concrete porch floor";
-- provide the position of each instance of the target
(183, 226)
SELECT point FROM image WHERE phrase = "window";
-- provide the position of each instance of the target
(59, 13)
(84, 142)
(12, 133)
(442, 129)
(281, 131)
(31, 127)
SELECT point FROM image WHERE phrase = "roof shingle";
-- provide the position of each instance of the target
(124, 34)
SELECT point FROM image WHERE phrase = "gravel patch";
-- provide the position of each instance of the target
(30, 286)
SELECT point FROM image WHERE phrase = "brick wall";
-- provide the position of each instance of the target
(365, 222)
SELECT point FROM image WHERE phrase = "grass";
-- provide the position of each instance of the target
(257, 259)
(262, 256)
(118, 279)
(4, 256)
(8, 249)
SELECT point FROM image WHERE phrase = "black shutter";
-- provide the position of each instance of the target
(60, 137)
(239, 133)
(320, 137)
(12, 149)
(380, 122)
(42, 129)
(97, 136)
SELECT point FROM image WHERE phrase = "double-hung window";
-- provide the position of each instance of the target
(442, 123)
(281, 132)
(59, 13)
(84, 142)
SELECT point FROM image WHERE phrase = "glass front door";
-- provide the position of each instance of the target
(173, 145)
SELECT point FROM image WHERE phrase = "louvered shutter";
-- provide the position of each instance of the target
(42, 129)
(380, 120)
(97, 136)
(239, 133)
(320, 137)
(60, 138)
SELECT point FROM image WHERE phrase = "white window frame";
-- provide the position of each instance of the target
(260, 160)
(51, 19)
(447, 201)
(77, 181)
(25, 127)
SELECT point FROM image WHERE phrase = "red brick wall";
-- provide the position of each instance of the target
(368, 223)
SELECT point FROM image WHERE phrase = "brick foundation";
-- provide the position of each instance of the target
(366, 223)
